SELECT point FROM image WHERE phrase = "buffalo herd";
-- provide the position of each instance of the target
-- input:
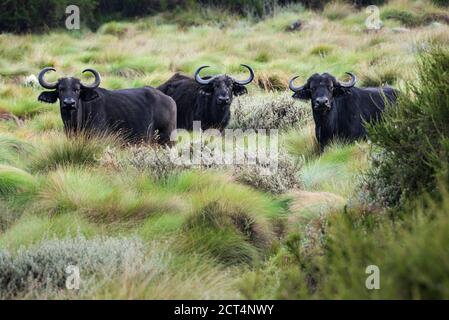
(340, 109)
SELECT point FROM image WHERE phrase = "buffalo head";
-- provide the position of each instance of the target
(70, 91)
(223, 87)
(321, 90)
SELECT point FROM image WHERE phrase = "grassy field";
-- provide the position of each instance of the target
(139, 228)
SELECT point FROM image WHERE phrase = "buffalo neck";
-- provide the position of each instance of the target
(326, 123)
(211, 114)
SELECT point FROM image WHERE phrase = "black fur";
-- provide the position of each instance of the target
(133, 113)
(347, 110)
(196, 102)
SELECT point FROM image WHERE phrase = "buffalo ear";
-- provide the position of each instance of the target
(48, 96)
(88, 95)
(302, 94)
(238, 89)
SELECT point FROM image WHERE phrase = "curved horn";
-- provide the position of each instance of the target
(251, 76)
(349, 84)
(198, 77)
(97, 79)
(292, 86)
(42, 81)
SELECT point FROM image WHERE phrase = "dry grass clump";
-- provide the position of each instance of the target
(278, 180)
(273, 111)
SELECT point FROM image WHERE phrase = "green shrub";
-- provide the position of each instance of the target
(411, 145)
(442, 3)
(410, 254)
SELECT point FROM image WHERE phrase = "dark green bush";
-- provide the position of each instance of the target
(441, 2)
(410, 255)
(38, 16)
(411, 146)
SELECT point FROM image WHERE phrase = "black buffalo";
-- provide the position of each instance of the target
(340, 109)
(135, 114)
(204, 99)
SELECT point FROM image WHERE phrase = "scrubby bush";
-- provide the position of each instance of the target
(276, 180)
(411, 145)
(410, 255)
(12, 148)
(43, 267)
(268, 112)
(275, 176)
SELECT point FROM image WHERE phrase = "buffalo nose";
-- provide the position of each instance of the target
(69, 102)
(224, 100)
(322, 101)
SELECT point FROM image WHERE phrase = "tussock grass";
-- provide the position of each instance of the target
(14, 180)
(12, 149)
(47, 121)
(79, 150)
(184, 277)
(302, 142)
(100, 196)
(228, 233)
(31, 228)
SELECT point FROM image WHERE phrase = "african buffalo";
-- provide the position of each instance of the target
(135, 114)
(204, 99)
(340, 109)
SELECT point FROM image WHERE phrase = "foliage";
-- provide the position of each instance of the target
(410, 147)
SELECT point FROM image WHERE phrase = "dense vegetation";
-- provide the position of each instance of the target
(33, 15)
(139, 226)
